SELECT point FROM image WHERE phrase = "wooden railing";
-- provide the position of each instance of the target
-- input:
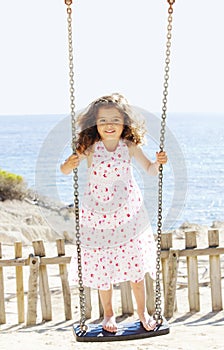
(38, 281)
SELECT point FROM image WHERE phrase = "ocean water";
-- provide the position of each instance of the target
(193, 180)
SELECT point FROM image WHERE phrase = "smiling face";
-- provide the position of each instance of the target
(110, 123)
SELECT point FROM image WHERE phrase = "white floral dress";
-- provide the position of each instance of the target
(116, 235)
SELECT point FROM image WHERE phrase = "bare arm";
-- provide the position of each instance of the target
(152, 168)
(71, 163)
(74, 160)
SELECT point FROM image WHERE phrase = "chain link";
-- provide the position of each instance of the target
(158, 309)
(82, 298)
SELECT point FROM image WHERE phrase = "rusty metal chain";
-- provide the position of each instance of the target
(158, 309)
(82, 298)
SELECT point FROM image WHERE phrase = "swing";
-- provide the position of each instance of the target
(134, 330)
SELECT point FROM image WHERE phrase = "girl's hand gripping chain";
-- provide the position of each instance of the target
(70, 163)
(161, 157)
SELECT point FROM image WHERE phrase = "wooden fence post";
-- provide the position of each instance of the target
(19, 283)
(192, 268)
(126, 299)
(171, 283)
(88, 311)
(45, 295)
(2, 296)
(32, 291)
(215, 272)
(166, 244)
(64, 280)
(88, 304)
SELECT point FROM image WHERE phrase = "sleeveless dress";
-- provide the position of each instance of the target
(116, 237)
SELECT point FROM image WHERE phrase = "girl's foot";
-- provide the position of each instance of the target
(147, 322)
(109, 324)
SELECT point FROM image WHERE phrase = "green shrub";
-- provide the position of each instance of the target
(12, 186)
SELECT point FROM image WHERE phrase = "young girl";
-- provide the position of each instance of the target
(117, 239)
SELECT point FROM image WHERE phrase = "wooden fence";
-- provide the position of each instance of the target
(39, 289)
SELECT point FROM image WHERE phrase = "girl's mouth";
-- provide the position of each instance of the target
(109, 131)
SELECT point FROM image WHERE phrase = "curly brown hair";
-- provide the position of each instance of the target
(87, 133)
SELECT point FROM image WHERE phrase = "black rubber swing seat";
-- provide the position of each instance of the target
(126, 331)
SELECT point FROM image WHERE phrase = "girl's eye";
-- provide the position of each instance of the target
(101, 121)
(113, 121)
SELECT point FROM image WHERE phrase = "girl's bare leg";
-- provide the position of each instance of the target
(139, 293)
(109, 323)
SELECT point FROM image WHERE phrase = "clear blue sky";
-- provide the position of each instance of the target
(119, 45)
